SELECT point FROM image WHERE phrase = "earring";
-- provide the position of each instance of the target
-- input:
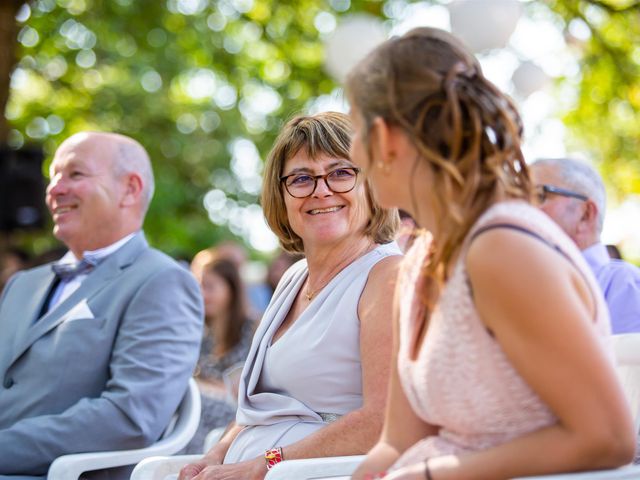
(384, 166)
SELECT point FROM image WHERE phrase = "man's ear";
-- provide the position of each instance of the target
(589, 216)
(133, 190)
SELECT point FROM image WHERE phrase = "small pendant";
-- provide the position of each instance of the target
(309, 295)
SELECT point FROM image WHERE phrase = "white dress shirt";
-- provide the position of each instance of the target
(66, 287)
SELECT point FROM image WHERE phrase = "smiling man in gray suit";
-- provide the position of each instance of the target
(95, 350)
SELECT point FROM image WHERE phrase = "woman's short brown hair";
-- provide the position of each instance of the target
(327, 133)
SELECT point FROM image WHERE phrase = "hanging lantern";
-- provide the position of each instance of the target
(350, 42)
(484, 24)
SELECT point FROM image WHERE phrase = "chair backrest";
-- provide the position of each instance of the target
(626, 348)
(187, 417)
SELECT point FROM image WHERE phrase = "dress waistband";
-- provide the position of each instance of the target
(329, 417)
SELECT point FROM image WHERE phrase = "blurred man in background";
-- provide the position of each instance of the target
(573, 195)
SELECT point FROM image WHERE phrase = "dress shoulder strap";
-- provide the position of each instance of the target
(526, 231)
(521, 229)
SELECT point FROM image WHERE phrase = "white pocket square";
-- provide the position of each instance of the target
(80, 311)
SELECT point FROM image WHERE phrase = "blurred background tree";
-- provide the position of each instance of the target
(605, 118)
(205, 86)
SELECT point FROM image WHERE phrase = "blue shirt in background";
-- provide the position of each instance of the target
(620, 283)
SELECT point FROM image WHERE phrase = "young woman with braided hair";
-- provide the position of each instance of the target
(502, 368)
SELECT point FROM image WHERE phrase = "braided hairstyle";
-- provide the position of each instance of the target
(462, 126)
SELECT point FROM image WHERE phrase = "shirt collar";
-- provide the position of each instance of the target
(96, 256)
(596, 255)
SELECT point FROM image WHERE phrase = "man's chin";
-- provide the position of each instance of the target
(61, 233)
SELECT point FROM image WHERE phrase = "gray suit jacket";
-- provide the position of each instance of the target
(105, 369)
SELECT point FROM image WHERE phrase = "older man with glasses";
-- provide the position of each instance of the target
(573, 195)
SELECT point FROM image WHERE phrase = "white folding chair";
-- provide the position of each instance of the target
(158, 468)
(315, 468)
(176, 436)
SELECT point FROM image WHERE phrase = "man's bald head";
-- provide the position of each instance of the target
(126, 154)
(100, 188)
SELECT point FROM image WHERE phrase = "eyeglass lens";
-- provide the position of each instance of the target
(340, 180)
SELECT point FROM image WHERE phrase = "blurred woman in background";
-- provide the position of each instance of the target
(225, 342)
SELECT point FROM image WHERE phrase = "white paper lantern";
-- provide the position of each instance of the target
(529, 78)
(354, 37)
(484, 24)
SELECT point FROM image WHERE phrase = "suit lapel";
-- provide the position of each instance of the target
(40, 294)
(102, 276)
(42, 283)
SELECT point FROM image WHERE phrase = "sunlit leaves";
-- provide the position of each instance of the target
(204, 85)
(606, 117)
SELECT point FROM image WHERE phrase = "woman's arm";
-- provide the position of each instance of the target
(541, 312)
(356, 432)
(402, 427)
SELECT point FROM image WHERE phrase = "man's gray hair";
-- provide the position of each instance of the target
(133, 158)
(581, 178)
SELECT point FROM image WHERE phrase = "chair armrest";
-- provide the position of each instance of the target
(624, 473)
(310, 468)
(70, 467)
(157, 468)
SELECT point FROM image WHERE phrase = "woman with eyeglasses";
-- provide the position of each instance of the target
(502, 366)
(315, 381)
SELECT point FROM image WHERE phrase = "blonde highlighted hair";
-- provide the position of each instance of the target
(462, 126)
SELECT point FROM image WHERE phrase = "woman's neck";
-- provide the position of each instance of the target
(423, 212)
(326, 263)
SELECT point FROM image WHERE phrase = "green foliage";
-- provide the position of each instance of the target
(606, 116)
(192, 79)
(185, 83)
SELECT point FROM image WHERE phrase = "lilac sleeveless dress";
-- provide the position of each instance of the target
(312, 374)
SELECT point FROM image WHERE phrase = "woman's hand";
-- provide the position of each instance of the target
(211, 459)
(250, 470)
(192, 470)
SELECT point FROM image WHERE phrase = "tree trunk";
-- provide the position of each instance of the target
(8, 43)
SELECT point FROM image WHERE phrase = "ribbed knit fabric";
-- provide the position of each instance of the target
(461, 379)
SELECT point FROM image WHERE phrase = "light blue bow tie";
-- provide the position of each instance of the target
(68, 271)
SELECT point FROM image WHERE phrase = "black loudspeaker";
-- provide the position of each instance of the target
(22, 189)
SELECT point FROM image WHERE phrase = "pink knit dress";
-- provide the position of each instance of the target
(461, 379)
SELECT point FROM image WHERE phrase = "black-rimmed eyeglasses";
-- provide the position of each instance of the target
(543, 190)
(340, 180)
